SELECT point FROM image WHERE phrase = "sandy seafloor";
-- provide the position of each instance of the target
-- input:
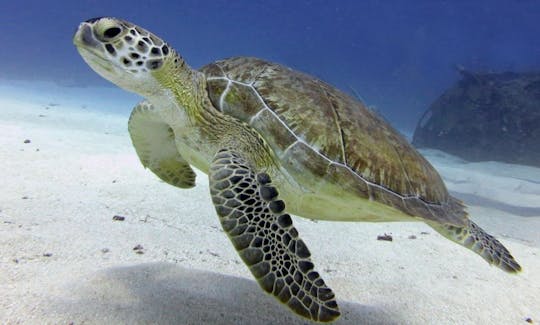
(63, 260)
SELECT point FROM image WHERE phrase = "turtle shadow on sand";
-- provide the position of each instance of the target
(163, 293)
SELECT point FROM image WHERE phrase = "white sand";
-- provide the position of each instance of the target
(60, 200)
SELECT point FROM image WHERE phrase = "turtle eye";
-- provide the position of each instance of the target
(111, 32)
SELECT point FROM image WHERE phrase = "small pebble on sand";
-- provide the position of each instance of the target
(385, 237)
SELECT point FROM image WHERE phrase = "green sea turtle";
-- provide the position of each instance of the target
(258, 129)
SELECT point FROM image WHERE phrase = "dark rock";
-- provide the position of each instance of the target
(385, 237)
(119, 218)
(27, 141)
(490, 116)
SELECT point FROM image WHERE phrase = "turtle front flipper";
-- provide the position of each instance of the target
(154, 142)
(265, 238)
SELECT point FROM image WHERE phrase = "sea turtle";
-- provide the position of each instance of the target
(258, 129)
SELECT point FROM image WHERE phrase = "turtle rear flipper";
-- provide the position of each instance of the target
(476, 239)
(263, 234)
(154, 142)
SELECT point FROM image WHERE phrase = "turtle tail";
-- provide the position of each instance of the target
(476, 239)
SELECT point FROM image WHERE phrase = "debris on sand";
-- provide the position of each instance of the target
(138, 249)
(385, 237)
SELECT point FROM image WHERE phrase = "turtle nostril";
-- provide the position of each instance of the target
(112, 32)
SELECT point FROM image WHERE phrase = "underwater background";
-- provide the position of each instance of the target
(397, 55)
(89, 236)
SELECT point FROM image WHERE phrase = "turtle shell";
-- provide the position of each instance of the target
(312, 126)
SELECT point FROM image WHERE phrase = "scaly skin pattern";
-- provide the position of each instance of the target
(254, 218)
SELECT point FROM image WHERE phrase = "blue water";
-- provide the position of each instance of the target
(60, 191)
(399, 55)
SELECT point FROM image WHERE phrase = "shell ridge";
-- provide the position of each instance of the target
(404, 170)
(223, 94)
(337, 119)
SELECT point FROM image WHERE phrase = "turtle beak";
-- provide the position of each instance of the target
(84, 36)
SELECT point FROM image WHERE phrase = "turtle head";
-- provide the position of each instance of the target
(125, 54)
